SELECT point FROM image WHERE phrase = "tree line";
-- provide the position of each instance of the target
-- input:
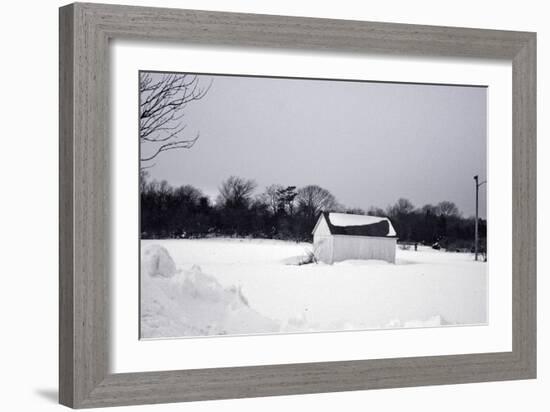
(285, 212)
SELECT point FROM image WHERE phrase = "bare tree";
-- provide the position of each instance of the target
(354, 211)
(402, 207)
(313, 199)
(188, 194)
(429, 209)
(401, 214)
(271, 197)
(447, 209)
(236, 192)
(163, 98)
(143, 176)
(376, 211)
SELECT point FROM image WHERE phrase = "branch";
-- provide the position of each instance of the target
(163, 98)
(179, 144)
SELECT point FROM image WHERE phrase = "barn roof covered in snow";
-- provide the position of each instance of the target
(357, 225)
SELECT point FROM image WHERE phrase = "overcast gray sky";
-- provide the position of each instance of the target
(367, 143)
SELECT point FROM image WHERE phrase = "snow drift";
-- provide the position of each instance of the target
(157, 262)
(190, 302)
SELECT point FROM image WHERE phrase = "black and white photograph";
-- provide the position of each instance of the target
(276, 205)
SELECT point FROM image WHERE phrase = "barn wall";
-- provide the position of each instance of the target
(322, 241)
(359, 247)
(322, 247)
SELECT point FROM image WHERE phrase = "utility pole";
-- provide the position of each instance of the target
(476, 240)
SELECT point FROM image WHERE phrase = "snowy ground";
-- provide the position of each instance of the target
(238, 286)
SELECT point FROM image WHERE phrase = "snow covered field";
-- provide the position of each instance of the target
(238, 286)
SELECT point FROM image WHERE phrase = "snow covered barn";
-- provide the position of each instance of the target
(341, 236)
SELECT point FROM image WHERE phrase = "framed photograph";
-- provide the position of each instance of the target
(255, 205)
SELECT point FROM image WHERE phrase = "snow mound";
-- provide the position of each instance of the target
(192, 303)
(157, 262)
(299, 260)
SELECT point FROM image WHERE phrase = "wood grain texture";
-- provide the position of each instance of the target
(66, 109)
(524, 225)
(85, 31)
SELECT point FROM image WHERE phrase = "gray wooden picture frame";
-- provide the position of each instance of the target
(85, 31)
